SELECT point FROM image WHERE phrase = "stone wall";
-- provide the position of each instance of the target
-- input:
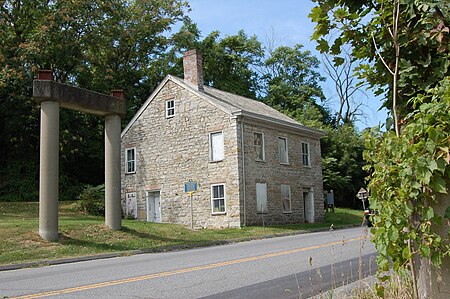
(274, 174)
(170, 151)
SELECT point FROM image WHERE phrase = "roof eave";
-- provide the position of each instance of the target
(279, 122)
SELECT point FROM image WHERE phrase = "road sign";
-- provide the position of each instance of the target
(362, 194)
(190, 186)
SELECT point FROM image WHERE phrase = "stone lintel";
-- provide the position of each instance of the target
(76, 98)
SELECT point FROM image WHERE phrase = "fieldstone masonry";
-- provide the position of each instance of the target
(271, 172)
(172, 150)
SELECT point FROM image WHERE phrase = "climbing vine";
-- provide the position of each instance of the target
(406, 175)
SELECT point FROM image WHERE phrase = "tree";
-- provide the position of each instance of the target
(100, 45)
(342, 149)
(423, 38)
(291, 85)
(229, 63)
(348, 89)
(404, 49)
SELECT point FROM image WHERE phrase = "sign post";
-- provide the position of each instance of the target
(190, 187)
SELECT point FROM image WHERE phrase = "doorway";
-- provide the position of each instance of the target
(308, 204)
(153, 206)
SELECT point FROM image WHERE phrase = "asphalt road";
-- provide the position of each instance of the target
(286, 267)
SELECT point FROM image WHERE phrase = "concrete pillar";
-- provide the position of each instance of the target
(113, 214)
(49, 171)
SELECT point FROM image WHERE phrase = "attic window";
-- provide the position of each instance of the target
(130, 160)
(170, 108)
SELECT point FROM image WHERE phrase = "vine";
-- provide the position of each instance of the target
(406, 174)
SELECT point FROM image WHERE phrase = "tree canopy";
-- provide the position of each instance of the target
(423, 35)
(100, 45)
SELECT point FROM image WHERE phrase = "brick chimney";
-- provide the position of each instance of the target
(193, 68)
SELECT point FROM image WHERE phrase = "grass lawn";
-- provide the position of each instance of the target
(82, 235)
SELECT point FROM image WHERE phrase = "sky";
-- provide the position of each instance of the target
(286, 22)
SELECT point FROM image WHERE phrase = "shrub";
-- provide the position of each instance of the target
(92, 200)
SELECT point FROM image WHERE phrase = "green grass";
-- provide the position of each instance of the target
(82, 235)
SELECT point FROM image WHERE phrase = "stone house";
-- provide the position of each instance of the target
(250, 163)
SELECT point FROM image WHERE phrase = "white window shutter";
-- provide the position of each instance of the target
(261, 197)
(217, 147)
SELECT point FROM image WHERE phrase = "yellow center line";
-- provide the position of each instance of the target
(180, 271)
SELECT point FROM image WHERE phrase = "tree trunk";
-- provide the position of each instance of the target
(432, 282)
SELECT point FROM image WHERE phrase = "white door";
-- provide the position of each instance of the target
(153, 207)
(308, 201)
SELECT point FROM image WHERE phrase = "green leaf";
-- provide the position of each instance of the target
(409, 208)
(393, 234)
(428, 213)
(316, 14)
(383, 264)
(438, 184)
(432, 165)
(405, 253)
(425, 250)
(322, 46)
(436, 259)
(338, 61)
(447, 213)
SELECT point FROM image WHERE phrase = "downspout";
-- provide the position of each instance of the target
(243, 171)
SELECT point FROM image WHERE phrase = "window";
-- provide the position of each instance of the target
(286, 198)
(283, 150)
(218, 199)
(305, 154)
(170, 108)
(258, 145)
(261, 197)
(130, 160)
(216, 146)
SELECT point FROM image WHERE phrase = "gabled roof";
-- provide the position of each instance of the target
(232, 104)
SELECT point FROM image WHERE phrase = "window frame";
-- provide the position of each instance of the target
(128, 161)
(211, 150)
(289, 198)
(218, 198)
(286, 151)
(264, 209)
(306, 155)
(262, 146)
(168, 109)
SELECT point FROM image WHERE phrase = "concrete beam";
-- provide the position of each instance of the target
(76, 98)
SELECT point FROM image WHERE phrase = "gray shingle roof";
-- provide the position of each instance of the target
(235, 105)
